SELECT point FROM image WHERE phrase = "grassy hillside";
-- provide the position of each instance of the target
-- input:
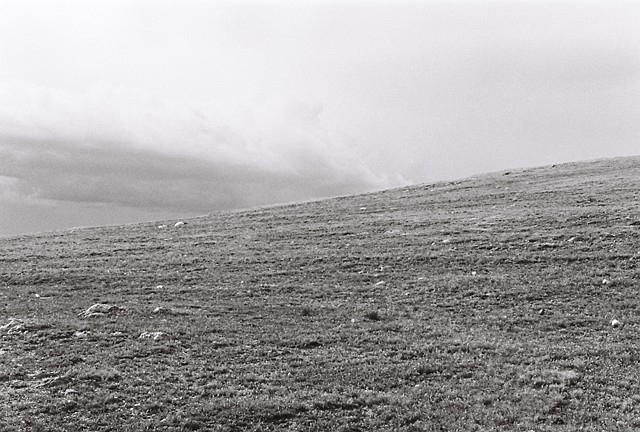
(475, 305)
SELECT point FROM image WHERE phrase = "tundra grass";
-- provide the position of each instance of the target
(474, 305)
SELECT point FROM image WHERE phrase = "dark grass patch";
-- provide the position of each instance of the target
(373, 315)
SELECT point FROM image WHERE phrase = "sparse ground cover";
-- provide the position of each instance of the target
(481, 304)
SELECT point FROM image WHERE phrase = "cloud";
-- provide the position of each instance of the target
(120, 147)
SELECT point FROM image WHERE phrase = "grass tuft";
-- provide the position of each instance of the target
(373, 315)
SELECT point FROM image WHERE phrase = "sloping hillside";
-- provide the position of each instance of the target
(480, 304)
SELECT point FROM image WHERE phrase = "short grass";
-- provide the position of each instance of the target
(476, 305)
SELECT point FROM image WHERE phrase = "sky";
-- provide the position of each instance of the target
(116, 111)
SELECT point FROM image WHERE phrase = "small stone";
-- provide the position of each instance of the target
(179, 223)
(606, 281)
(98, 309)
(541, 312)
(12, 325)
(615, 323)
(15, 326)
(152, 335)
(161, 310)
(161, 226)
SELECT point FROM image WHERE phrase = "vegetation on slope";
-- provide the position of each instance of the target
(481, 304)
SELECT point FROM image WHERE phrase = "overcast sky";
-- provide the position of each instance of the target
(123, 111)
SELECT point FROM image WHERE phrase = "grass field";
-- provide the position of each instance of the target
(475, 305)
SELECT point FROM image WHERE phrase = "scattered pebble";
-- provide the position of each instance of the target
(98, 309)
(179, 223)
(152, 335)
(13, 326)
(615, 323)
(53, 381)
(541, 312)
(606, 281)
(161, 226)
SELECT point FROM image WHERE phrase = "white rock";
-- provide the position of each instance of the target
(179, 223)
(606, 281)
(162, 226)
(152, 335)
(14, 325)
(98, 309)
(615, 323)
